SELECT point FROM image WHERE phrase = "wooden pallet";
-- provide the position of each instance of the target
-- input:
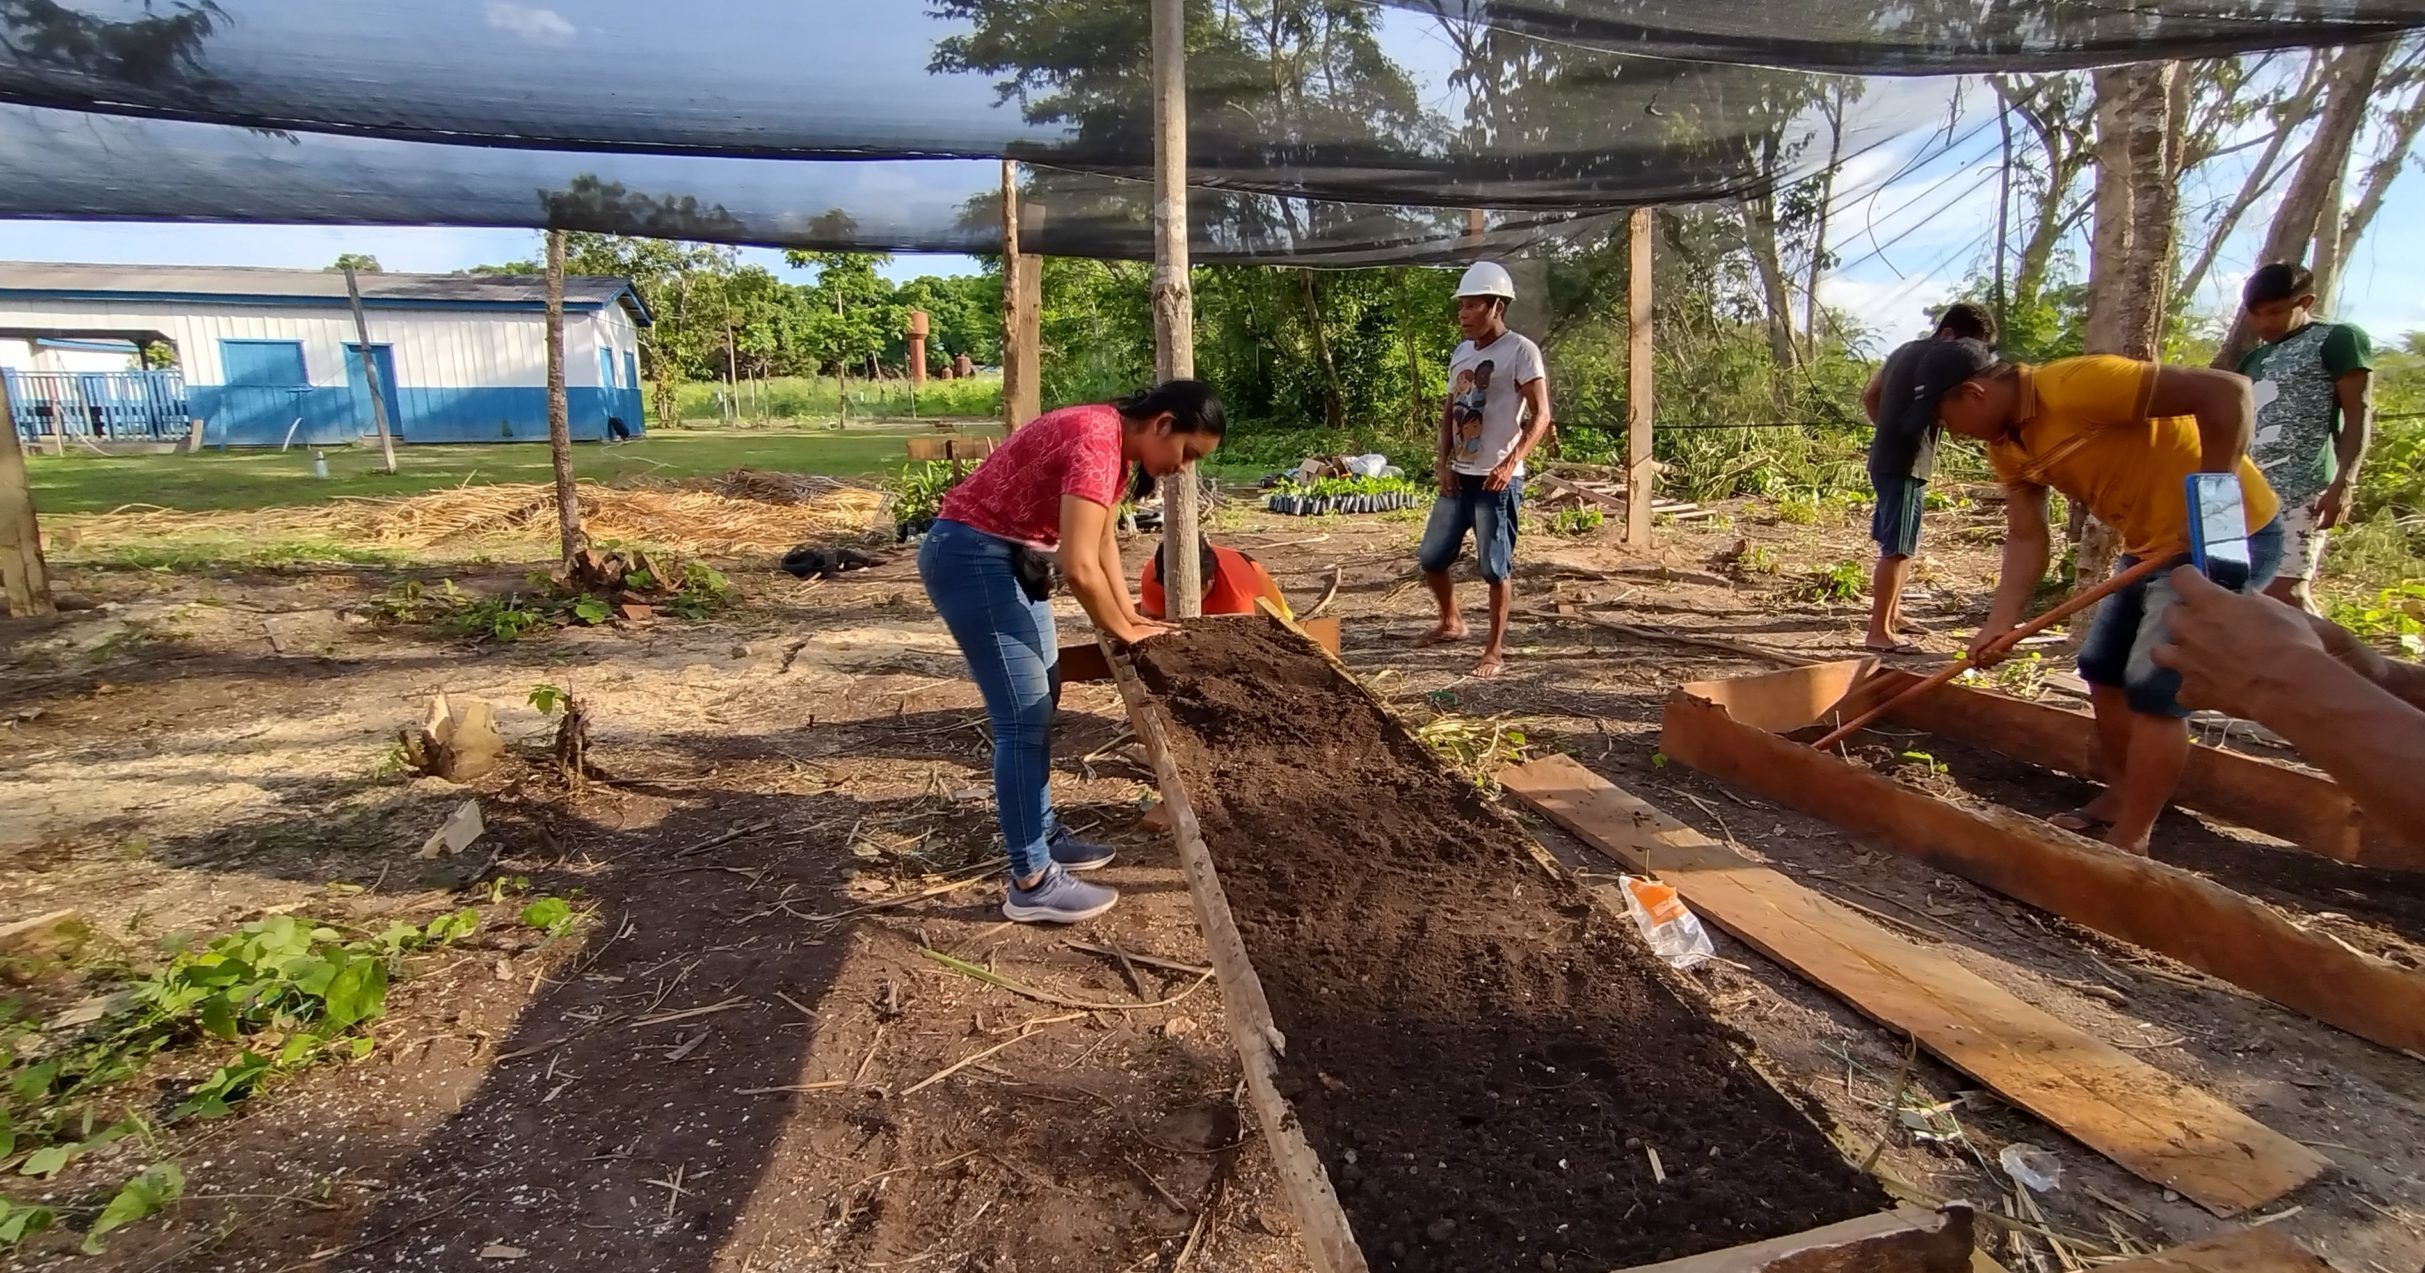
(1905, 1240)
(1732, 729)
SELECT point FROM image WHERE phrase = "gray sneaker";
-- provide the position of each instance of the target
(1058, 898)
(1075, 854)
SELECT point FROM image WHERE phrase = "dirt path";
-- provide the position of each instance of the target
(165, 769)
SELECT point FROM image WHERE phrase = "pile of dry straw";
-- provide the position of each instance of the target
(745, 511)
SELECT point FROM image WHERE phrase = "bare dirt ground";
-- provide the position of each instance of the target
(733, 1063)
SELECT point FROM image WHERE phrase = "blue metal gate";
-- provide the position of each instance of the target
(104, 405)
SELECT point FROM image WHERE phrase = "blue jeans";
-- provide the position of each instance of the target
(2130, 625)
(1016, 662)
(1490, 515)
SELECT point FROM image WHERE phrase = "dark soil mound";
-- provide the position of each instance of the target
(1484, 1061)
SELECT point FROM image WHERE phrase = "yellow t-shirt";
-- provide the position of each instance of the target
(2084, 430)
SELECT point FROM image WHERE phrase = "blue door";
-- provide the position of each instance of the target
(266, 395)
(383, 359)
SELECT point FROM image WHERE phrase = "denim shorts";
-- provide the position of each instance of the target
(1490, 515)
(2130, 625)
(1895, 522)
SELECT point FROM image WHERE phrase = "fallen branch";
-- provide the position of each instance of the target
(1150, 961)
(1032, 1029)
(1330, 592)
(687, 1013)
(957, 882)
(1743, 648)
(967, 969)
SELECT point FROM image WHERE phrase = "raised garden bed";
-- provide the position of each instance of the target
(1958, 782)
(1490, 1071)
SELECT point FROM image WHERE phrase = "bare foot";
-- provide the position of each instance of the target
(1442, 635)
(1888, 645)
(2136, 848)
(1492, 663)
(1912, 627)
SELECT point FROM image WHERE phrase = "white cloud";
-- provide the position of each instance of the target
(539, 26)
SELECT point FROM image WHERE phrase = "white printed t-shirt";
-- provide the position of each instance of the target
(1487, 411)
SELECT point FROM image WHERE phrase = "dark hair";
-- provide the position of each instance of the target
(1968, 320)
(2279, 281)
(1192, 404)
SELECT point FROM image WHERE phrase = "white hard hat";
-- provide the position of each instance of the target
(1487, 278)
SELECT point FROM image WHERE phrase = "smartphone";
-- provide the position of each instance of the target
(2218, 529)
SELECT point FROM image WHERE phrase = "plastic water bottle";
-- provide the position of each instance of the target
(319, 464)
(1673, 931)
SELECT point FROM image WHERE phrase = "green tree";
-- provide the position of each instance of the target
(359, 262)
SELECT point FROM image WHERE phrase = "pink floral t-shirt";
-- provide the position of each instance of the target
(1016, 493)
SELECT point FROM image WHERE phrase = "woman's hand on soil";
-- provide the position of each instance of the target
(1142, 631)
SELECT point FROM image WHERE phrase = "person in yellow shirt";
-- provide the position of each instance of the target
(2121, 437)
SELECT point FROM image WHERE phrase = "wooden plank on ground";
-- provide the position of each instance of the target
(2170, 1132)
(2259, 1250)
(2165, 909)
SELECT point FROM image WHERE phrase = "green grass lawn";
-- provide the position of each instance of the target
(265, 479)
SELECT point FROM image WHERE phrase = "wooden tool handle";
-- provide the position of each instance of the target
(2070, 606)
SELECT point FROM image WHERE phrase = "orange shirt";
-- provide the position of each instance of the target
(2083, 429)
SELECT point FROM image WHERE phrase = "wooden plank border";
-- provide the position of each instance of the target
(2164, 909)
(2172, 1133)
(2306, 809)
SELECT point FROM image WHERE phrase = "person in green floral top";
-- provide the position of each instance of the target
(2315, 415)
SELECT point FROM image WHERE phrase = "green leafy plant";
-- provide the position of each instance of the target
(1756, 559)
(1798, 510)
(546, 699)
(286, 991)
(1475, 748)
(2394, 618)
(552, 915)
(1577, 521)
(140, 1198)
(918, 488)
(1927, 763)
(1846, 580)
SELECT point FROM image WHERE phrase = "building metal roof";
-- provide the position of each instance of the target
(256, 285)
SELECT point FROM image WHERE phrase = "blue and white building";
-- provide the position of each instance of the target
(266, 356)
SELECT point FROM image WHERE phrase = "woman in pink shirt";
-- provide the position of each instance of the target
(1047, 494)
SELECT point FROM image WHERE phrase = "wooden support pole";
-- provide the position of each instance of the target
(559, 413)
(370, 375)
(1638, 396)
(24, 579)
(1022, 294)
(1174, 303)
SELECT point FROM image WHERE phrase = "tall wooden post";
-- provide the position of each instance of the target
(1022, 291)
(24, 578)
(1638, 386)
(559, 412)
(1174, 303)
(370, 375)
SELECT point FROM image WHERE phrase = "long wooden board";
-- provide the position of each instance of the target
(2191, 918)
(2246, 1251)
(2166, 1131)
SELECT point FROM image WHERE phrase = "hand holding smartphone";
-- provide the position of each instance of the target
(2218, 529)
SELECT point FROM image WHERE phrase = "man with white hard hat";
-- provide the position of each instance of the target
(1497, 412)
